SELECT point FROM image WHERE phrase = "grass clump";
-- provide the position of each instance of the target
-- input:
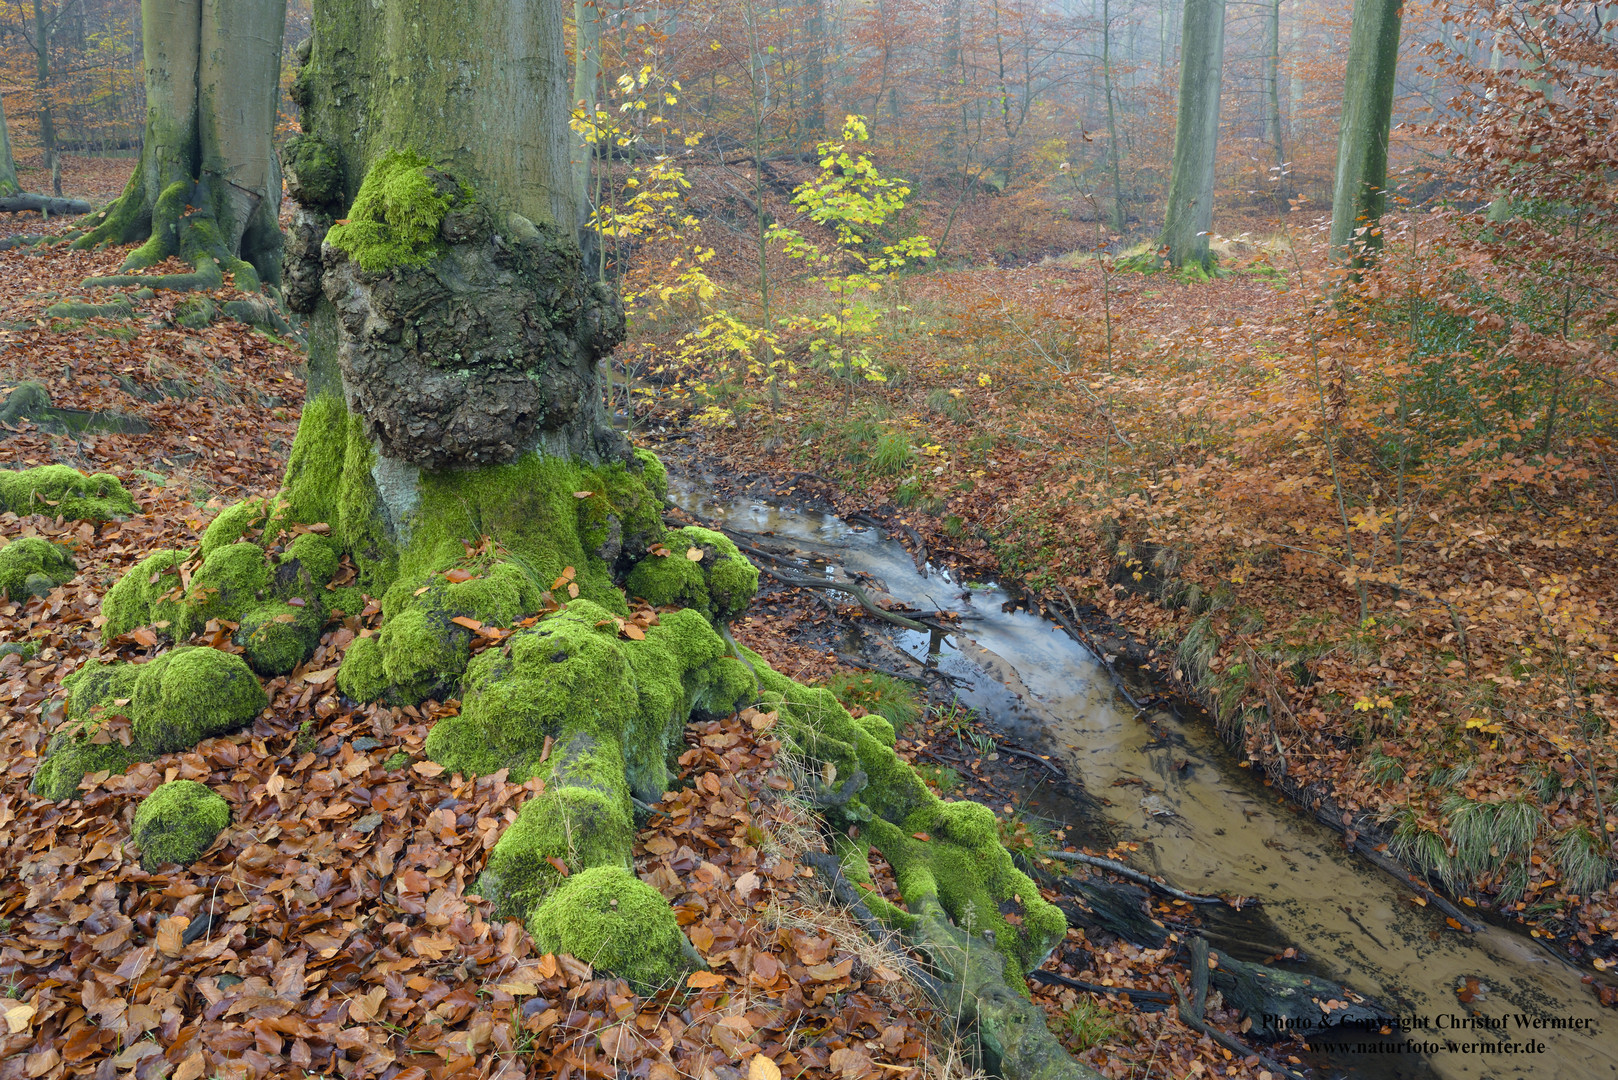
(892, 699)
(1088, 1025)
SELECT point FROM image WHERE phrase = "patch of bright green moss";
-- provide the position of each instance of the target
(173, 702)
(177, 822)
(361, 677)
(28, 559)
(233, 523)
(395, 217)
(146, 595)
(720, 585)
(611, 919)
(892, 699)
(316, 556)
(231, 578)
(61, 491)
(277, 636)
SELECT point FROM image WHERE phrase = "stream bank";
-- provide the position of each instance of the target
(1207, 824)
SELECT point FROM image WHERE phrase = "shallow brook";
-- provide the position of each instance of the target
(1206, 824)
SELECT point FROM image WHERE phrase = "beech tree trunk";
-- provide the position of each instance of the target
(586, 75)
(1367, 119)
(1189, 214)
(208, 185)
(9, 184)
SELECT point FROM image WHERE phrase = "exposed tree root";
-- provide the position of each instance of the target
(971, 985)
(171, 228)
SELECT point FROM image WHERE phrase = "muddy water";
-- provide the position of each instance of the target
(1206, 824)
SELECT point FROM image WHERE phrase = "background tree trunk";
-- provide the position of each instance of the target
(208, 185)
(42, 87)
(1363, 132)
(9, 185)
(1272, 95)
(586, 75)
(1189, 214)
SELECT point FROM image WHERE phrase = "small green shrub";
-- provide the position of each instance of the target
(892, 454)
(892, 699)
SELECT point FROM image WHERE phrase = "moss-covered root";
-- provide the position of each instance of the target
(277, 598)
(30, 566)
(696, 568)
(177, 823)
(171, 227)
(607, 917)
(946, 855)
(172, 703)
(61, 491)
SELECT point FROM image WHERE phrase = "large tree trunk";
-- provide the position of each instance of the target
(208, 185)
(1189, 215)
(586, 75)
(1363, 131)
(454, 460)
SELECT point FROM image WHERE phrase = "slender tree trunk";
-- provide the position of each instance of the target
(586, 75)
(8, 168)
(1362, 142)
(814, 74)
(208, 185)
(1117, 214)
(1272, 93)
(1189, 214)
(42, 87)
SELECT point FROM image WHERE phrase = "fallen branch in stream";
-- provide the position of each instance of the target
(798, 581)
(1140, 997)
(1191, 1012)
(1142, 878)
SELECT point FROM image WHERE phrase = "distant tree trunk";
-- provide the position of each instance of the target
(1117, 214)
(1363, 132)
(1189, 215)
(814, 74)
(1272, 92)
(208, 186)
(586, 75)
(42, 87)
(8, 168)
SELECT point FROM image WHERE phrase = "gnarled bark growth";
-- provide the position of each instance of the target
(208, 185)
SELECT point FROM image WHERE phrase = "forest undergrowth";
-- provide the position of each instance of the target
(334, 928)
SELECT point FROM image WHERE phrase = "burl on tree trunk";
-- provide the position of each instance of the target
(454, 460)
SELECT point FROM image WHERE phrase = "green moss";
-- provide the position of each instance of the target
(60, 491)
(233, 523)
(315, 555)
(314, 173)
(120, 308)
(961, 866)
(148, 594)
(276, 637)
(195, 312)
(177, 822)
(607, 917)
(28, 562)
(315, 468)
(721, 584)
(395, 217)
(231, 579)
(653, 474)
(190, 694)
(59, 775)
(361, 677)
(348, 599)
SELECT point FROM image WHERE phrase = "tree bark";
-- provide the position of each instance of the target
(9, 185)
(586, 75)
(208, 185)
(42, 87)
(814, 74)
(1189, 214)
(1272, 94)
(1117, 214)
(1362, 141)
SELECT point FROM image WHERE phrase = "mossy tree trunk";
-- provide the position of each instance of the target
(1189, 215)
(454, 461)
(1363, 131)
(208, 185)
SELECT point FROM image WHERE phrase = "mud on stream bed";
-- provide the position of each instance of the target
(1206, 824)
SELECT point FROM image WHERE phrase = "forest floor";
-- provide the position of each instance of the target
(333, 928)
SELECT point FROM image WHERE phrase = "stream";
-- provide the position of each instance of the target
(1205, 824)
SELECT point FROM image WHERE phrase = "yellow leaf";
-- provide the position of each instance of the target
(762, 1068)
(694, 554)
(19, 1015)
(704, 980)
